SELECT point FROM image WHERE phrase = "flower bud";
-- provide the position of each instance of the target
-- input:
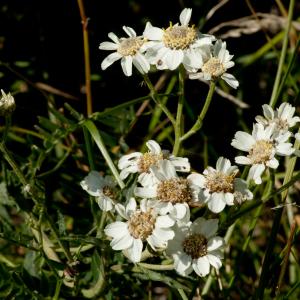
(7, 104)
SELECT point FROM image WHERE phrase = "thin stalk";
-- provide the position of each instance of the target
(6, 128)
(198, 124)
(57, 289)
(182, 294)
(89, 150)
(153, 95)
(275, 90)
(178, 125)
(157, 267)
(99, 142)
(275, 228)
(86, 49)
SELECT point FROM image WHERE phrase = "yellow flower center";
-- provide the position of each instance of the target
(148, 160)
(214, 67)
(179, 37)
(130, 46)
(261, 151)
(218, 182)
(175, 190)
(141, 224)
(195, 245)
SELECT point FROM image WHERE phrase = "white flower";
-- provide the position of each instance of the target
(143, 224)
(174, 193)
(7, 104)
(196, 247)
(221, 187)
(262, 147)
(215, 64)
(100, 187)
(297, 136)
(138, 162)
(283, 118)
(177, 44)
(130, 50)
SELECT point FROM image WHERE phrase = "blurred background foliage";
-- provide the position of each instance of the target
(41, 64)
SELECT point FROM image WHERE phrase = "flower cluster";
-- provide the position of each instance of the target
(202, 55)
(270, 137)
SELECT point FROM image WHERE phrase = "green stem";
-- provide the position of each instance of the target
(153, 95)
(98, 140)
(182, 294)
(88, 146)
(178, 125)
(275, 90)
(6, 128)
(57, 289)
(86, 49)
(157, 267)
(198, 124)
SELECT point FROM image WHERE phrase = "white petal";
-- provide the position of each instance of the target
(154, 147)
(197, 179)
(131, 169)
(93, 183)
(284, 149)
(126, 63)
(108, 46)
(164, 221)
(121, 211)
(116, 229)
(113, 37)
(135, 251)
(110, 59)
(229, 198)
(130, 207)
(192, 60)
(215, 243)
(129, 31)
(223, 164)
(182, 263)
(297, 136)
(201, 266)
(206, 227)
(173, 59)
(268, 111)
(255, 173)
(181, 164)
(243, 141)
(180, 211)
(105, 203)
(214, 261)
(273, 163)
(185, 16)
(216, 203)
(163, 234)
(129, 159)
(153, 33)
(243, 160)
(121, 243)
(145, 192)
(231, 80)
(141, 63)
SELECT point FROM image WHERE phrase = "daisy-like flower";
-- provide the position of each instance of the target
(138, 162)
(179, 43)
(130, 50)
(215, 64)
(103, 188)
(174, 194)
(196, 247)
(143, 224)
(221, 187)
(262, 147)
(282, 118)
(7, 104)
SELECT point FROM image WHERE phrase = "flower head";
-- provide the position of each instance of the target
(179, 43)
(103, 188)
(196, 247)
(7, 104)
(141, 163)
(262, 146)
(130, 50)
(220, 187)
(144, 224)
(283, 118)
(216, 61)
(174, 194)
